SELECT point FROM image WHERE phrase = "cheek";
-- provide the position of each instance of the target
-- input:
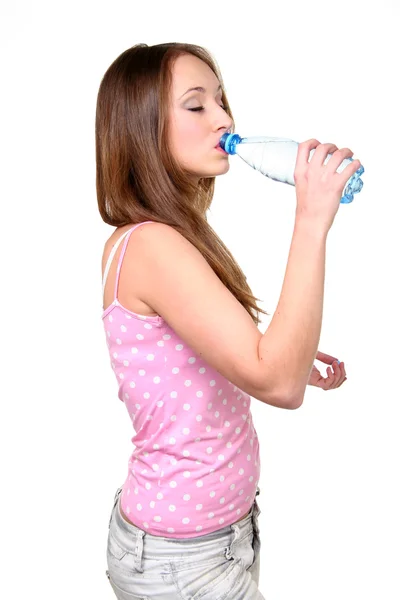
(189, 131)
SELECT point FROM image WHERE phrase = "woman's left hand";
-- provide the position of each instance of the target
(334, 378)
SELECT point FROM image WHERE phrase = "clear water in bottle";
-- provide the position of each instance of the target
(276, 158)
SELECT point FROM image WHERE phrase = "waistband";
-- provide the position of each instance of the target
(168, 548)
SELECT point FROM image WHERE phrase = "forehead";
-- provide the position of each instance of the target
(189, 71)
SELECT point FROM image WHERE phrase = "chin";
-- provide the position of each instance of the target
(218, 170)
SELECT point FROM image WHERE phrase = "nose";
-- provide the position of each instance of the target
(222, 120)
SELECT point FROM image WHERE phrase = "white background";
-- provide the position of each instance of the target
(330, 470)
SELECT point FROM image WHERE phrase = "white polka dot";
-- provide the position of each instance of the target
(172, 507)
(222, 500)
(109, 333)
(192, 360)
(208, 428)
(251, 478)
(148, 486)
(186, 431)
(160, 343)
(160, 403)
(186, 453)
(110, 318)
(137, 406)
(199, 506)
(210, 515)
(199, 418)
(123, 328)
(145, 525)
(115, 355)
(175, 370)
(160, 496)
(146, 395)
(150, 357)
(219, 392)
(172, 484)
(230, 465)
(209, 450)
(188, 383)
(202, 370)
(233, 409)
(174, 394)
(173, 418)
(171, 530)
(232, 486)
(186, 407)
(221, 457)
(221, 521)
(126, 363)
(238, 430)
(148, 326)
(142, 372)
(139, 506)
(229, 445)
(139, 336)
(212, 494)
(134, 350)
(157, 519)
(199, 527)
(219, 436)
(119, 342)
(166, 337)
(179, 347)
(186, 474)
(156, 379)
(216, 414)
(186, 497)
(185, 521)
(212, 382)
(227, 424)
(132, 384)
(172, 441)
(224, 401)
(209, 405)
(199, 394)
(156, 447)
(199, 483)
(155, 467)
(121, 375)
(244, 417)
(126, 396)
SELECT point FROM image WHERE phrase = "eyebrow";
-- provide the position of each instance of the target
(198, 89)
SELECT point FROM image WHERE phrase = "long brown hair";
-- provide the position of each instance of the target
(137, 178)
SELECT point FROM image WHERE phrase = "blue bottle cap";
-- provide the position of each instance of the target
(228, 142)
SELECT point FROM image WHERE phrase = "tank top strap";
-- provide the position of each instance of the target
(125, 235)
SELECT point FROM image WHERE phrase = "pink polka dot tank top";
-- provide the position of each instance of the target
(194, 467)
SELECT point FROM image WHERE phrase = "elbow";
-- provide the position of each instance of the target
(296, 401)
(293, 401)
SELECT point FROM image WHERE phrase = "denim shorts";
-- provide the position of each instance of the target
(223, 565)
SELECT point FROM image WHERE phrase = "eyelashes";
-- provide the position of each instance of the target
(201, 108)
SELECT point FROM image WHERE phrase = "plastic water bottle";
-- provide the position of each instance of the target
(276, 158)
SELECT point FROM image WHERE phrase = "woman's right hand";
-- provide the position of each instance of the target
(319, 187)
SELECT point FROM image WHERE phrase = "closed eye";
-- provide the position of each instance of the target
(200, 108)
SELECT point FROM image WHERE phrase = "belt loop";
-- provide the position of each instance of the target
(139, 551)
(229, 549)
(117, 493)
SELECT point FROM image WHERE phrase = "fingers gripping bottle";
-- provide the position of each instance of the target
(276, 158)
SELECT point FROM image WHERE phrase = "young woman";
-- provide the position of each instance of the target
(181, 327)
